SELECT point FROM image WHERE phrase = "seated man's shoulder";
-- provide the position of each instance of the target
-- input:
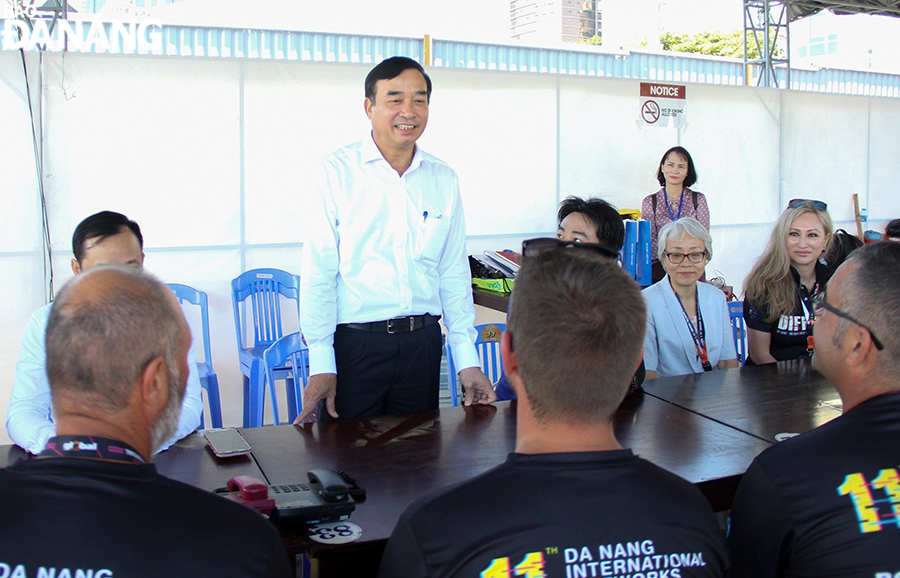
(38, 320)
(129, 514)
(596, 477)
(563, 511)
(818, 493)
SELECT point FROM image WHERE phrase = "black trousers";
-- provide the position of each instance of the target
(382, 373)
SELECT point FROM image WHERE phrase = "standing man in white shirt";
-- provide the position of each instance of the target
(104, 238)
(384, 256)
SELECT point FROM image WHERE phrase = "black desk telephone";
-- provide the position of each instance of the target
(326, 498)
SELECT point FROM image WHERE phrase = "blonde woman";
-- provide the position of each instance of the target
(779, 290)
(688, 325)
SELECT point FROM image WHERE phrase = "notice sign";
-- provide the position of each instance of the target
(662, 104)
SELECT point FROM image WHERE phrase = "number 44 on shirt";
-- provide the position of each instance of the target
(531, 566)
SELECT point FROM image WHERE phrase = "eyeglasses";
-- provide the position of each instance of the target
(676, 258)
(819, 303)
(535, 247)
(817, 205)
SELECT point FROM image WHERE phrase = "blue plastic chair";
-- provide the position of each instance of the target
(739, 330)
(263, 288)
(208, 379)
(488, 346)
(288, 355)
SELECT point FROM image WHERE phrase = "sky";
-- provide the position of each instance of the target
(484, 21)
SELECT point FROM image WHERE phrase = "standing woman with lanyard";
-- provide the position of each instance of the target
(688, 325)
(675, 200)
(779, 290)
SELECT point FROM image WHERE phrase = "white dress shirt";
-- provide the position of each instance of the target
(378, 245)
(668, 345)
(29, 419)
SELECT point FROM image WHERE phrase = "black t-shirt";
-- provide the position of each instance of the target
(825, 503)
(560, 515)
(789, 332)
(113, 520)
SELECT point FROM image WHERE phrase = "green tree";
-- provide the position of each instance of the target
(595, 39)
(716, 43)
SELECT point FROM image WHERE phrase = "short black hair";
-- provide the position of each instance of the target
(893, 228)
(392, 68)
(103, 224)
(604, 216)
(691, 177)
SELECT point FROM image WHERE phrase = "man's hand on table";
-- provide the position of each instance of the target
(322, 385)
(477, 388)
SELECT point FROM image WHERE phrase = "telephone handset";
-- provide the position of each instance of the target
(326, 498)
(331, 487)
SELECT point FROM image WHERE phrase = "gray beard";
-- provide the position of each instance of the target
(166, 425)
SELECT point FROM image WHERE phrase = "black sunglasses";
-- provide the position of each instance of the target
(797, 203)
(535, 247)
(819, 303)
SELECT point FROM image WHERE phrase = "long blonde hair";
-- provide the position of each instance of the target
(770, 281)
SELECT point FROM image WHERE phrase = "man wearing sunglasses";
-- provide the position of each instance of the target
(826, 503)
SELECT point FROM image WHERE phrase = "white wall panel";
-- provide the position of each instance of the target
(294, 115)
(883, 199)
(825, 150)
(498, 131)
(732, 135)
(155, 139)
(20, 215)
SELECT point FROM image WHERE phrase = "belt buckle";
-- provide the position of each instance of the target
(395, 325)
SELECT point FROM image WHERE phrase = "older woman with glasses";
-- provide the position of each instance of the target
(778, 292)
(688, 326)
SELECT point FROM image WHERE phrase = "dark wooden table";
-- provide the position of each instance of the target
(400, 458)
(491, 300)
(764, 401)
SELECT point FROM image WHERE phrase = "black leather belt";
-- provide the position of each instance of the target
(396, 325)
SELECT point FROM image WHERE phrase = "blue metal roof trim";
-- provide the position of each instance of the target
(213, 42)
(639, 65)
(845, 82)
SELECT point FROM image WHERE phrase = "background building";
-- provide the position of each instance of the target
(552, 21)
(857, 42)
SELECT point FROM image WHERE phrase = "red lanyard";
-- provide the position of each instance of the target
(698, 335)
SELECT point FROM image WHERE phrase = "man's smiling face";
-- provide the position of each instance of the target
(399, 113)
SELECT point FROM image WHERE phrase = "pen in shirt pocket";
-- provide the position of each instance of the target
(425, 216)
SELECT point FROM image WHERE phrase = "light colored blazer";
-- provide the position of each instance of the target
(668, 346)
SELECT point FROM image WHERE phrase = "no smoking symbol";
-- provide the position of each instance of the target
(650, 112)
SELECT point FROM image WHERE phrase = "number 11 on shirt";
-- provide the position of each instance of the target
(866, 509)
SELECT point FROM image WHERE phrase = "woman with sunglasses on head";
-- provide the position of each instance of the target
(675, 200)
(688, 325)
(778, 292)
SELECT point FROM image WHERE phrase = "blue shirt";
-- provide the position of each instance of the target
(668, 346)
(29, 419)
